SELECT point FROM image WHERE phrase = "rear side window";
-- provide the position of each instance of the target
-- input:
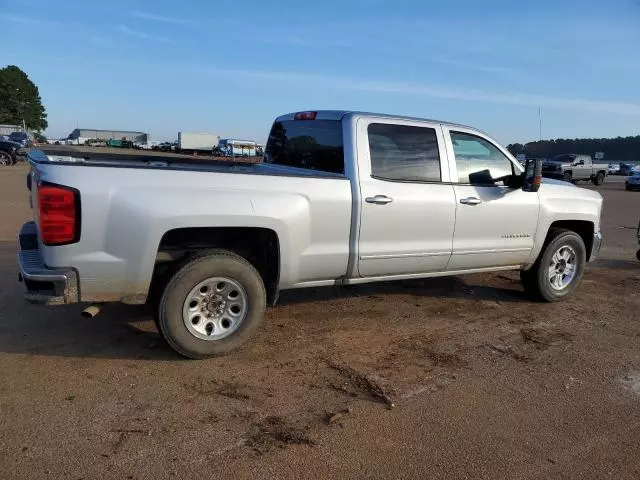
(310, 144)
(405, 153)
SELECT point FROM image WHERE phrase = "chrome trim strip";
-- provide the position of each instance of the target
(356, 281)
(494, 250)
(404, 255)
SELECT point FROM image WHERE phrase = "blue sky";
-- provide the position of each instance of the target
(230, 67)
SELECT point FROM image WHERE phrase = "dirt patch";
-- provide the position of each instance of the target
(362, 383)
(437, 354)
(332, 418)
(221, 387)
(631, 381)
(275, 432)
(629, 283)
(545, 335)
(508, 351)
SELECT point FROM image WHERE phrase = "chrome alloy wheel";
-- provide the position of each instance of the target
(5, 159)
(215, 308)
(562, 267)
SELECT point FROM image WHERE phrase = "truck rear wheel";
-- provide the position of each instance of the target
(212, 305)
(559, 267)
(598, 179)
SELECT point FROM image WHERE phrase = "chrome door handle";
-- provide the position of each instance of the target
(470, 201)
(379, 199)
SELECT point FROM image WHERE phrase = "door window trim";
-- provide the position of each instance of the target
(453, 168)
(364, 155)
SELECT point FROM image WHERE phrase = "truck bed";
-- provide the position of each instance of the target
(115, 154)
(143, 159)
(144, 199)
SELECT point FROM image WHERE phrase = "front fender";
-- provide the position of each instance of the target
(561, 202)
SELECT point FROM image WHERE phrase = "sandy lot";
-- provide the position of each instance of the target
(445, 378)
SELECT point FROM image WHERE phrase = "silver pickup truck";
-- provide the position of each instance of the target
(574, 167)
(341, 198)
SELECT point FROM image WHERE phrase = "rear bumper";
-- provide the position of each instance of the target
(597, 244)
(44, 285)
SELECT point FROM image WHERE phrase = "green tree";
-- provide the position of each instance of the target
(515, 148)
(20, 100)
(619, 149)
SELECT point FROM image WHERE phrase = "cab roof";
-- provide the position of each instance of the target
(340, 114)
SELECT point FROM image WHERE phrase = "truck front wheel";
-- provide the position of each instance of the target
(212, 305)
(567, 177)
(559, 267)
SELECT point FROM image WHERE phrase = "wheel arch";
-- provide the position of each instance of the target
(259, 246)
(583, 227)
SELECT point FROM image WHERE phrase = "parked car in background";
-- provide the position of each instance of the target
(10, 151)
(342, 198)
(632, 182)
(119, 143)
(95, 142)
(625, 169)
(614, 168)
(22, 138)
(144, 145)
(165, 146)
(572, 167)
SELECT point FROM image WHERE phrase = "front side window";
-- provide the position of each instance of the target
(404, 153)
(478, 161)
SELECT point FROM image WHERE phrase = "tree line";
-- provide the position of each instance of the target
(20, 101)
(620, 149)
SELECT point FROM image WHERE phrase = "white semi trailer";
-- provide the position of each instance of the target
(193, 142)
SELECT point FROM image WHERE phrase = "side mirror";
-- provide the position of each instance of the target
(532, 175)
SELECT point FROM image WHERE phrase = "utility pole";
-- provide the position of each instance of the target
(540, 121)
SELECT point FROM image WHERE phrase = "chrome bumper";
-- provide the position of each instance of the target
(595, 248)
(44, 285)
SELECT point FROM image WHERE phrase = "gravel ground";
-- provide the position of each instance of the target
(442, 378)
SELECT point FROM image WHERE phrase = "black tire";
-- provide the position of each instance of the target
(638, 254)
(536, 281)
(5, 159)
(598, 179)
(217, 263)
(567, 177)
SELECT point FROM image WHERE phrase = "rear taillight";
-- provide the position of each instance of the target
(59, 214)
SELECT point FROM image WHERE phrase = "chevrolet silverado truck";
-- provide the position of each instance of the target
(341, 198)
(573, 168)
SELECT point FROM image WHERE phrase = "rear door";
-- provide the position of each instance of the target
(495, 224)
(407, 203)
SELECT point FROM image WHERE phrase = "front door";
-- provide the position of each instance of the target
(495, 224)
(407, 211)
